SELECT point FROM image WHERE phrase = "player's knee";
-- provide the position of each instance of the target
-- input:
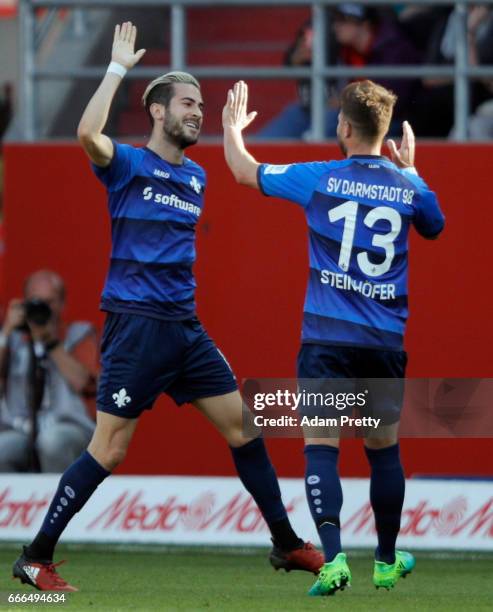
(109, 456)
(235, 438)
(110, 441)
(113, 457)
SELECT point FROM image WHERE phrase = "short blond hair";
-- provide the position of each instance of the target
(368, 107)
(168, 79)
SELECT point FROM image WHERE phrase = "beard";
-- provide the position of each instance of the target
(174, 131)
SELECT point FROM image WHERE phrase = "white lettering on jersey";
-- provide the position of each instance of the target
(384, 291)
(161, 173)
(171, 200)
(369, 191)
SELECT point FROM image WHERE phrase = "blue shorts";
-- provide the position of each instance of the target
(377, 373)
(143, 357)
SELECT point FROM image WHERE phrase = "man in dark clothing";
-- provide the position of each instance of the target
(362, 36)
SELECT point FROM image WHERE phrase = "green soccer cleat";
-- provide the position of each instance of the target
(333, 576)
(386, 575)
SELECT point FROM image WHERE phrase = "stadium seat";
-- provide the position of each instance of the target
(254, 36)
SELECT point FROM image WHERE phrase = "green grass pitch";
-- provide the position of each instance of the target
(212, 579)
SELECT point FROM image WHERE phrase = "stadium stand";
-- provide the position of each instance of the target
(228, 37)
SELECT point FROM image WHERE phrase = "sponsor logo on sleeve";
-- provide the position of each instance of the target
(272, 169)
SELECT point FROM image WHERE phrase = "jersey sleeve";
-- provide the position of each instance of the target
(122, 168)
(428, 219)
(294, 182)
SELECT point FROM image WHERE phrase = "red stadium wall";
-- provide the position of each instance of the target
(251, 273)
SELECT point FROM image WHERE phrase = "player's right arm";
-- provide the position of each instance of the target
(294, 182)
(99, 147)
(235, 119)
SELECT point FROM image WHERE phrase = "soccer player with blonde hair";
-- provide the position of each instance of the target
(153, 342)
(359, 212)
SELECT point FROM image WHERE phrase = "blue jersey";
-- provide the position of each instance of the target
(358, 212)
(154, 208)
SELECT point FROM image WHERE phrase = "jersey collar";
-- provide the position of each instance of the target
(165, 161)
(382, 157)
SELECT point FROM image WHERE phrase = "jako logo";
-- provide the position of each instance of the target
(161, 173)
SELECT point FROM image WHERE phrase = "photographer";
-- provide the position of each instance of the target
(47, 370)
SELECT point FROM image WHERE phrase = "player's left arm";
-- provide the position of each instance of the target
(428, 219)
(235, 119)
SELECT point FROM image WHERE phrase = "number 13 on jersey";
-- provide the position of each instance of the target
(348, 211)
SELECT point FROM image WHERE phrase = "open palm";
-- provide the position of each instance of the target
(404, 155)
(235, 110)
(124, 45)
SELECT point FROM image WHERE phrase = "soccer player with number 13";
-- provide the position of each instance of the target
(359, 212)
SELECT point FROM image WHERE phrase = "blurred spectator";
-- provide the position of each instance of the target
(47, 368)
(5, 116)
(481, 123)
(418, 22)
(480, 35)
(434, 115)
(5, 107)
(362, 36)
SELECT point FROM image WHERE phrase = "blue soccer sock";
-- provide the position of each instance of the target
(77, 484)
(259, 478)
(387, 486)
(324, 495)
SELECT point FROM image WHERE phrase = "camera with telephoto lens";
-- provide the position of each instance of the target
(37, 312)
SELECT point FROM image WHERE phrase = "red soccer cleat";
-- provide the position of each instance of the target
(40, 574)
(306, 558)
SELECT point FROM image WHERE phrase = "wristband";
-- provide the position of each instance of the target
(116, 68)
(50, 346)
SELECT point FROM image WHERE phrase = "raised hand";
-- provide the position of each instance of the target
(124, 44)
(235, 110)
(404, 156)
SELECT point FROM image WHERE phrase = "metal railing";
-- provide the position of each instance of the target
(460, 71)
